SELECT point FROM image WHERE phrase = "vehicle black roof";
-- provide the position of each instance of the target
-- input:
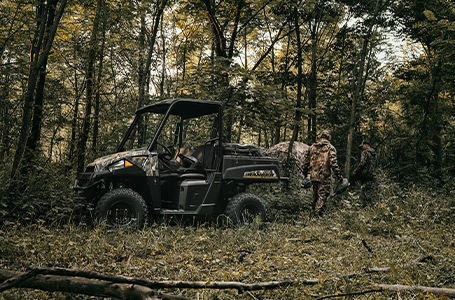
(186, 108)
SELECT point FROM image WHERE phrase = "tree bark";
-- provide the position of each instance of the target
(163, 58)
(6, 118)
(86, 286)
(357, 92)
(298, 114)
(82, 143)
(313, 85)
(123, 287)
(35, 133)
(146, 62)
(77, 95)
(12, 279)
(98, 88)
(39, 55)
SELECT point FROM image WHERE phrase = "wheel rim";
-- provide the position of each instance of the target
(121, 214)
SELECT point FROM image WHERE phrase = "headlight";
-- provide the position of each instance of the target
(137, 160)
(119, 165)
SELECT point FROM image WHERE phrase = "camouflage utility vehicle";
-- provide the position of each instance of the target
(172, 161)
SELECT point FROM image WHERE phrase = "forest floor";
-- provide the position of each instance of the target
(411, 232)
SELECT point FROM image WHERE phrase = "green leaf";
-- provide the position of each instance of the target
(429, 15)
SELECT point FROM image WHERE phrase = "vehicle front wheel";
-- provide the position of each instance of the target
(245, 208)
(122, 208)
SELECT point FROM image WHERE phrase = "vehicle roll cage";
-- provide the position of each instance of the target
(185, 109)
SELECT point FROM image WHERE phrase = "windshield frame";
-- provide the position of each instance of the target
(212, 107)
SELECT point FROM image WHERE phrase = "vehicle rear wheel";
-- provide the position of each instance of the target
(245, 208)
(123, 208)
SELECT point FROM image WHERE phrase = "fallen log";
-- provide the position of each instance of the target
(17, 279)
(124, 287)
(80, 285)
(349, 294)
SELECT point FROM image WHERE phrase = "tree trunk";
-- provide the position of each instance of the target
(298, 113)
(5, 117)
(182, 89)
(35, 133)
(91, 287)
(39, 55)
(146, 62)
(313, 85)
(82, 144)
(356, 96)
(435, 113)
(163, 63)
(98, 89)
(77, 95)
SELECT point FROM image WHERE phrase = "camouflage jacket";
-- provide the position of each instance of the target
(321, 161)
(366, 168)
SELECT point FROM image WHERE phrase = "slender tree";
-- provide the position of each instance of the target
(90, 77)
(41, 46)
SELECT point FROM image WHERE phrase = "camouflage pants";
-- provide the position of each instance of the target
(367, 192)
(321, 193)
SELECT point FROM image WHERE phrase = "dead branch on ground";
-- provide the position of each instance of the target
(79, 285)
(124, 287)
(349, 294)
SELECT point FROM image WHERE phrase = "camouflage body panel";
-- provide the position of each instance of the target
(291, 168)
(365, 170)
(321, 161)
(102, 162)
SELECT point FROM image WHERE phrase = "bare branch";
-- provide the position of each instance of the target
(349, 294)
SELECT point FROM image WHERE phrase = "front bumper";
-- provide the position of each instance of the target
(88, 186)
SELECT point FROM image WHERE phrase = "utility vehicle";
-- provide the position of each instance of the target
(173, 161)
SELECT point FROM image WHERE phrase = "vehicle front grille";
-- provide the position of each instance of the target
(83, 179)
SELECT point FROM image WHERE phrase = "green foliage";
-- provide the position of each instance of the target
(44, 196)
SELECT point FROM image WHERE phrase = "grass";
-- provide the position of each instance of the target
(411, 231)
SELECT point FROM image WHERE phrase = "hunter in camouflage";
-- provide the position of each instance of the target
(365, 173)
(321, 163)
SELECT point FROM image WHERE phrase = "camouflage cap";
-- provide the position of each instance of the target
(325, 134)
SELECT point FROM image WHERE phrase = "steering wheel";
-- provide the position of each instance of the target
(168, 151)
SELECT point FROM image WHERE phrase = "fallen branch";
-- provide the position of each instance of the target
(80, 285)
(123, 287)
(14, 279)
(349, 294)
(69, 274)
(417, 288)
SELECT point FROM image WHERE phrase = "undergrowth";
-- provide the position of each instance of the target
(408, 229)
